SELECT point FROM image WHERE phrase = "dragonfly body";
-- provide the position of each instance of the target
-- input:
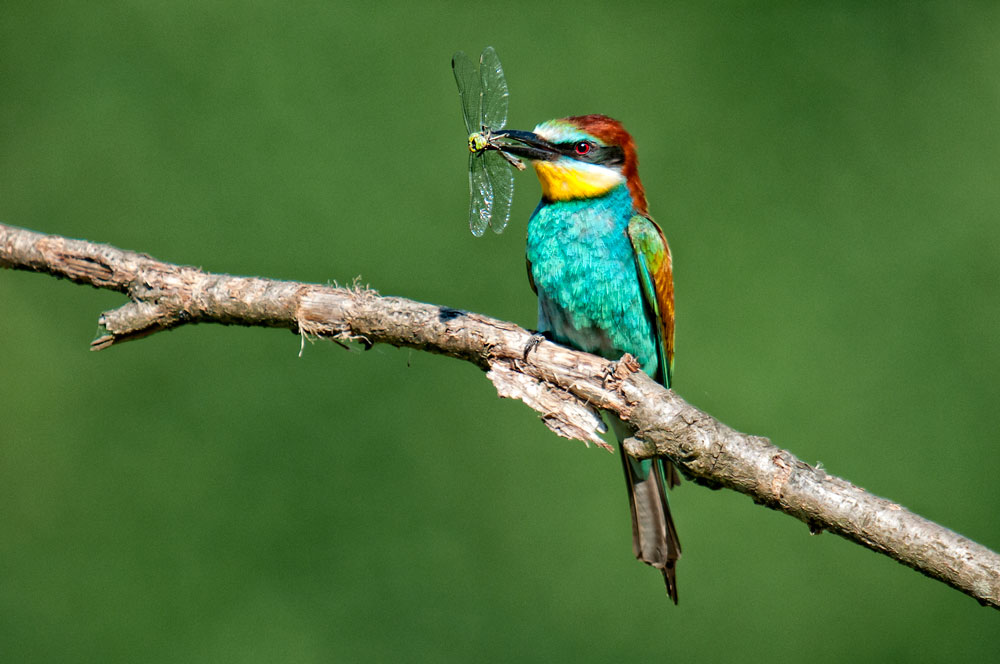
(481, 141)
(602, 271)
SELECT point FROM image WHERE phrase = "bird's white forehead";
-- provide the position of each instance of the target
(560, 131)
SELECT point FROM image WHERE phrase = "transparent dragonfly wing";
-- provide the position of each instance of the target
(468, 89)
(493, 86)
(480, 194)
(484, 105)
(501, 180)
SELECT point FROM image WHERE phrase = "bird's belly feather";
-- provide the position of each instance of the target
(584, 270)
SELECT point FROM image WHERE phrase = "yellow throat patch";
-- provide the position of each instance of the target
(562, 181)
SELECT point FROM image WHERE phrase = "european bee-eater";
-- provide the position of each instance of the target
(601, 269)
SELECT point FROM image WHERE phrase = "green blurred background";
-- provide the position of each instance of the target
(828, 175)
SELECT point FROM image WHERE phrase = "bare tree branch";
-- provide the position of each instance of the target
(566, 387)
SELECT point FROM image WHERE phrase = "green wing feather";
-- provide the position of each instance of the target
(652, 259)
(654, 538)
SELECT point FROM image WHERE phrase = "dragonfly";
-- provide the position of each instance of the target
(484, 106)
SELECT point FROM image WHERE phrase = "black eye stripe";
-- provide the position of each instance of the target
(606, 155)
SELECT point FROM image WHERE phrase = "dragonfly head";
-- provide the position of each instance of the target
(580, 157)
(478, 142)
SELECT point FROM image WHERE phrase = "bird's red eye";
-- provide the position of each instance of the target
(583, 147)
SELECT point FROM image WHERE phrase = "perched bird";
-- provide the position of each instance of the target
(602, 271)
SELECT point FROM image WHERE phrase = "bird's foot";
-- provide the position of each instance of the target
(618, 371)
(534, 341)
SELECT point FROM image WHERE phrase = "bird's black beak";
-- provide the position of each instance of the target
(527, 145)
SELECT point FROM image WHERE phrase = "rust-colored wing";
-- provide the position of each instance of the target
(652, 259)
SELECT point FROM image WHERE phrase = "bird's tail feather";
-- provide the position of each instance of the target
(654, 537)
